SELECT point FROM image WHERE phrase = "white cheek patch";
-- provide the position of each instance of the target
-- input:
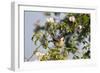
(62, 39)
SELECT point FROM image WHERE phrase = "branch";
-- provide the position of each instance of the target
(33, 53)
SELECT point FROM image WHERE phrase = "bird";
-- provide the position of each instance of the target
(59, 41)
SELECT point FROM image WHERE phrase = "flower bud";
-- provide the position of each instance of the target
(79, 27)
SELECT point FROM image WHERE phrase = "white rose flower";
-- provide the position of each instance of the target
(72, 19)
(39, 55)
(50, 20)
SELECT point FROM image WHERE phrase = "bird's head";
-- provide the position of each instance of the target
(62, 39)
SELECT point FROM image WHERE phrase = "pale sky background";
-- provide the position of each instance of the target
(30, 20)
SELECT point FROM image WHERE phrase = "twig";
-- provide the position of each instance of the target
(33, 53)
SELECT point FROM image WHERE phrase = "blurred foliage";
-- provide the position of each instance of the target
(55, 54)
(74, 27)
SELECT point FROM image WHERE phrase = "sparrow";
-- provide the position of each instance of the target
(59, 41)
